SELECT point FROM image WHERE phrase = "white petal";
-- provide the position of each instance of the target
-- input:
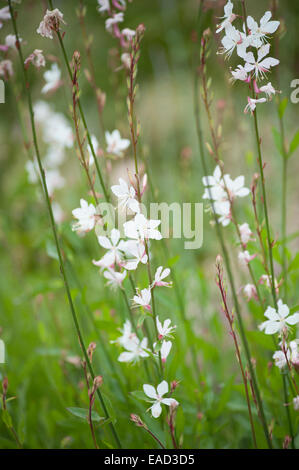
(162, 388)
(156, 410)
(150, 391)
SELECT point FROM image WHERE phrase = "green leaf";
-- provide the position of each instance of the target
(278, 141)
(294, 144)
(82, 413)
(6, 418)
(282, 107)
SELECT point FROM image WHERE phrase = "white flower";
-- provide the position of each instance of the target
(103, 6)
(54, 156)
(4, 15)
(86, 217)
(135, 251)
(239, 74)
(228, 17)
(116, 18)
(143, 298)
(245, 257)
(232, 40)
(6, 69)
(126, 196)
(260, 66)
(52, 78)
(126, 60)
(222, 191)
(128, 33)
(279, 320)
(157, 397)
(115, 249)
(115, 144)
(280, 359)
(165, 350)
(54, 180)
(135, 350)
(250, 292)
(161, 274)
(56, 130)
(50, 23)
(36, 58)
(245, 233)
(42, 111)
(251, 105)
(268, 89)
(296, 403)
(164, 330)
(95, 144)
(10, 40)
(140, 228)
(258, 34)
(127, 335)
(114, 278)
(57, 212)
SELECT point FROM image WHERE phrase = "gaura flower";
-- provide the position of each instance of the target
(245, 257)
(114, 278)
(278, 320)
(86, 217)
(251, 105)
(245, 233)
(161, 274)
(143, 298)
(228, 17)
(142, 229)
(164, 330)
(50, 23)
(261, 65)
(52, 78)
(127, 336)
(115, 144)
(36, 58)
(135, 253)
(259, 33)
(157, 397)
(135, 350)
(115, 248)
(115, 19)
(103, 6)
(126, 196)
(250, 292)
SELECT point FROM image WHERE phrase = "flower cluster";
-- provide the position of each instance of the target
(222, 191)
(252, 46)
(114, 9)
(122, 256)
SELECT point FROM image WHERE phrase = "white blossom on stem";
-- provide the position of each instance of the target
(115, 144)
(278, 320)
(142, 229)
(126, 196)
(114, 278)
(143, 298)
(157, 397)
(52, 78)
(245, 257)
(50, 23)
(135, 350)
(36, 58)
(164, 330)
(115, 248)
(228, 17)
(86, 216)
(161, 274)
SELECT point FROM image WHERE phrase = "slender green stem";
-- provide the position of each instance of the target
(53, 226)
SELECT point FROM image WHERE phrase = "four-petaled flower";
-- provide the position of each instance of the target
(157, 397)
(86, 217)
(126, 196)
(164, 330)
(115, 144)
(278, 320)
